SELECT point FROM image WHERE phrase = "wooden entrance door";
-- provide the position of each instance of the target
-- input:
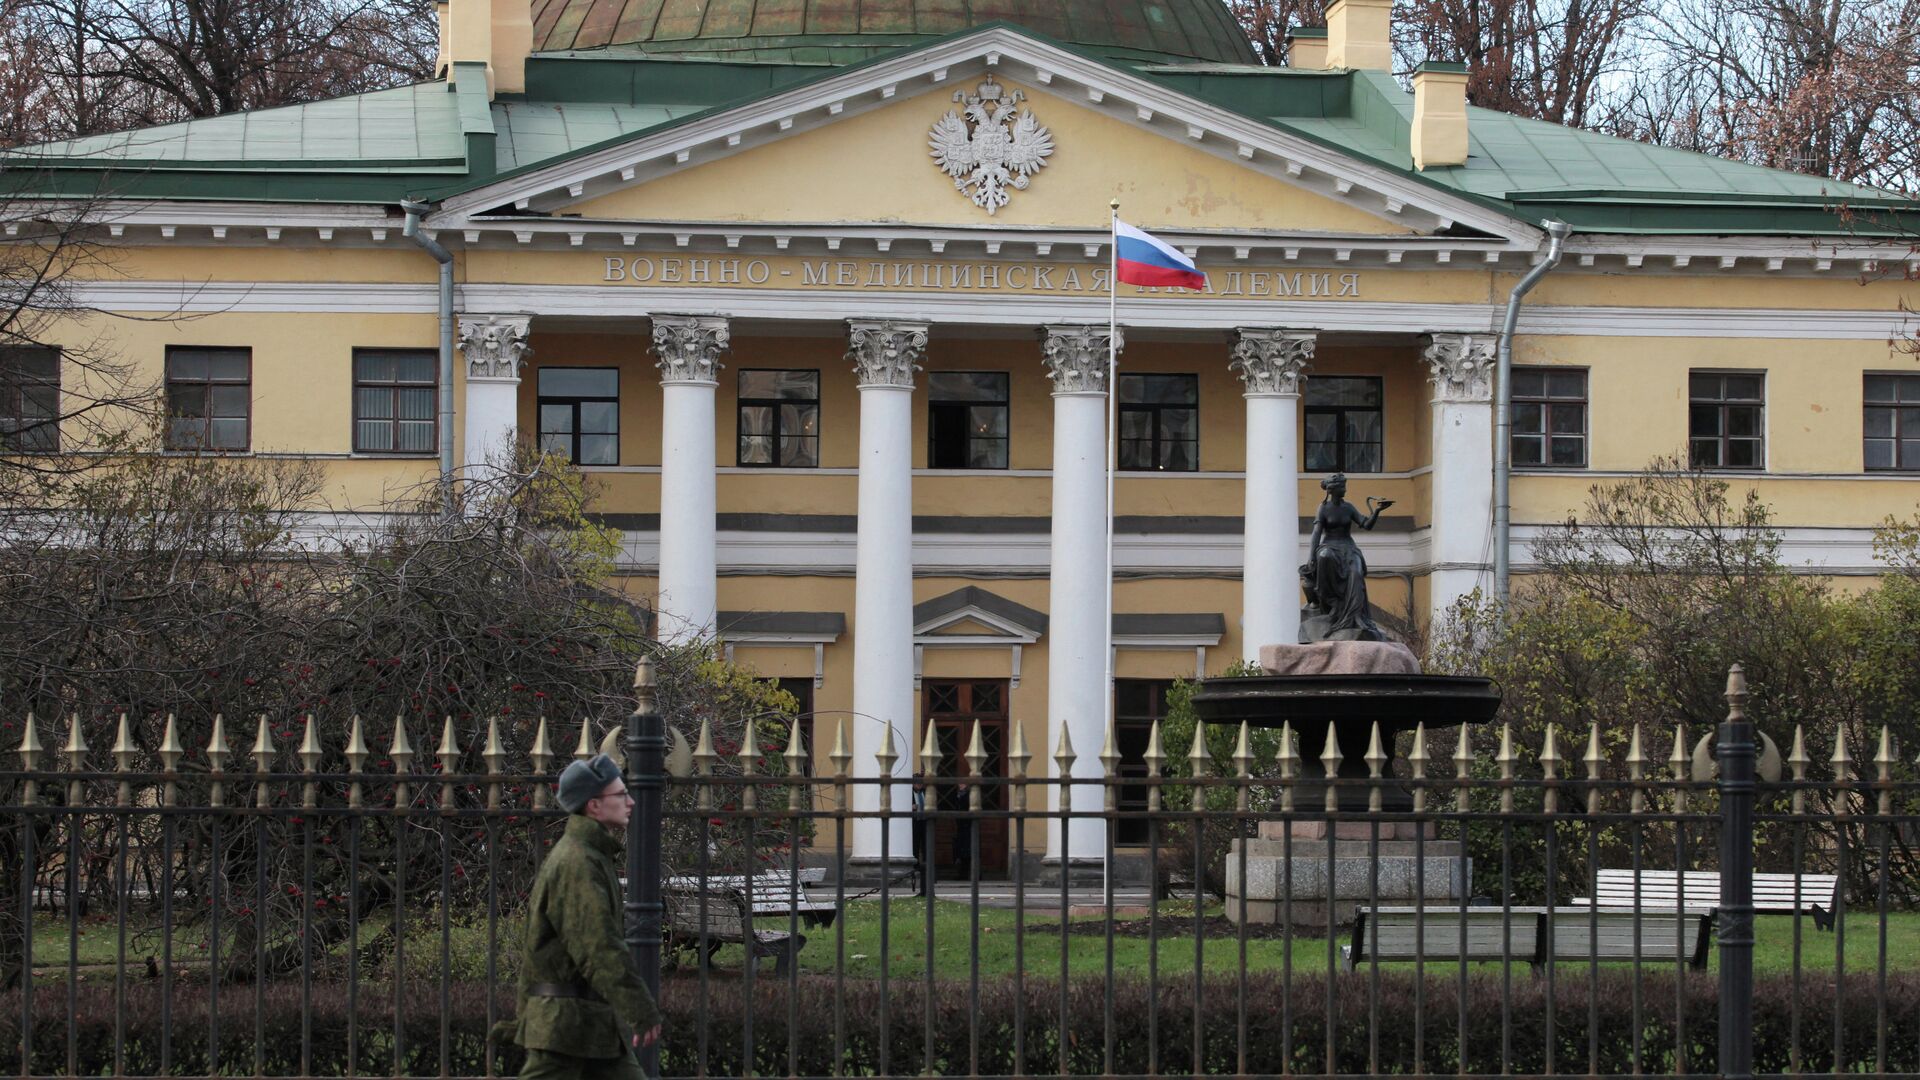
(955, 707)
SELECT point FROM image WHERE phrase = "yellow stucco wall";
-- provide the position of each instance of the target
(813, 177)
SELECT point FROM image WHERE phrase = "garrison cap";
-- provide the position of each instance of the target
(583, 780)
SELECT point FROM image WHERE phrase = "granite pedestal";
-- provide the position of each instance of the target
(1325, 887)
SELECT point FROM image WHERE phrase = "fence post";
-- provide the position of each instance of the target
(1735, 750)
(646, 778)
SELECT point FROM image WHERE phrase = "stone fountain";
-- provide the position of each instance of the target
(1344, 681)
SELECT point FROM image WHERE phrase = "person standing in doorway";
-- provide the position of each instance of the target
(583, 1009)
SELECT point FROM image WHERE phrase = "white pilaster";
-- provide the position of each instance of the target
(1271, 364)
(1077, 689)
(495, 348)
(885, 356)
(1461, 370)
(688, 349)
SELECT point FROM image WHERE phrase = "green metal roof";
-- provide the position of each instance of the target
(406, 129)
(843, 31)
(436, 139)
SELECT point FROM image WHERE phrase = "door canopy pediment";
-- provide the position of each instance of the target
(867, 144)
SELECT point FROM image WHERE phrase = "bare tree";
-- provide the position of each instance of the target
(1267, 22)
(67, 396)
(1545, 59)
(1828, 87)
(106, 65)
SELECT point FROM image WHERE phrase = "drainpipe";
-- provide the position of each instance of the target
(1557, 232)
(445, 426)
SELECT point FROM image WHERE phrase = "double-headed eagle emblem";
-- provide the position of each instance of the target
(1003, 148)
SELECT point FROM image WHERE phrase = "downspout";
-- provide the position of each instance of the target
(445, 426)
(1557, 232)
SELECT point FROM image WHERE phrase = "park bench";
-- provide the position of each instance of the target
(778, 895)
(724, 921)
(1660, 889)
(1528, 935)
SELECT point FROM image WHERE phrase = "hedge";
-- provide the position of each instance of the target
(1268, 1045)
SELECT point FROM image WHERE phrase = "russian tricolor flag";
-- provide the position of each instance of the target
(1140, 259)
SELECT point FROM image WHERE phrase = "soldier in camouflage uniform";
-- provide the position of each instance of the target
(583, 1009)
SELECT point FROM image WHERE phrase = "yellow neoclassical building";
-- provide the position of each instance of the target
(816, 294)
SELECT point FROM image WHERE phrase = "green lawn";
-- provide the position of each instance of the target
(955, 944)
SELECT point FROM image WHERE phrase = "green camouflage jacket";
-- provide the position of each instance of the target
(574, 938)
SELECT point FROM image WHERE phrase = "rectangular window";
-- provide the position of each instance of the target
(967, 420)
(1893, 421)
(1137, 703)
(1550, 417)
(802, 691)
(1345, 424)
(580, 414)
(779, 418)
(209, 398)
(1160, 423)
(29, 399)
(393, 400)
(1725, 420)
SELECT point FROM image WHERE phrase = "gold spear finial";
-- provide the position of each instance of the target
(1199, 763)
(1462, 767)
(1156, 762)
(704, 759)
(262, 763)
(310, 754)
(356, 754)
(1883, 770)
(1019, 757)
(583, 750)
(1593, 768)
(749, 756)
(1376, 768)
(1636, 772)
(1243, 768)
(541, 755)
(495, 757)
(401, 753)
(1550, 772)
(170, 754)
(1801, 761)
(976, 767)
(1417, 763)
(886, 757)
(796, 758)
(76, 753)
(1289, 759)
(449, 755)
(124, 751)
(30, 751)
(1063, 764)
(1677, 765)
(217, 751)
(1110, 764)
(1330, 759)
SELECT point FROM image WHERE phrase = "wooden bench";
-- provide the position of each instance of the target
(1660, 889)
(725, 922)
(778, 895)
(1529, 935)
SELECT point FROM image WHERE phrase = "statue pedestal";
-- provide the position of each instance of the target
(1327, 878)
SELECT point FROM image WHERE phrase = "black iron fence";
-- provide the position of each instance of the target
(1492, 903)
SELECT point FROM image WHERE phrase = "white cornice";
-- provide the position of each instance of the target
(998, 309)
(1119, 95)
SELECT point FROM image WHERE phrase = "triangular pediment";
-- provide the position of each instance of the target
(977, 615)
(852, 147)
(878, 167)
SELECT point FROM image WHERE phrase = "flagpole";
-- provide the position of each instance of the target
(1113, 462)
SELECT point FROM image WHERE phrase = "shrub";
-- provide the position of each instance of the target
(1287, 1025)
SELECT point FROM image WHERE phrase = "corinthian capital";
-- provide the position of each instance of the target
(1076, 357)
(885, 353)
(688, 347)
(495, 345)
(1462, 366)
(1272, 362)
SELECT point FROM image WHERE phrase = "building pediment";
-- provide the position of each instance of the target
(976, 616)
(858, 146)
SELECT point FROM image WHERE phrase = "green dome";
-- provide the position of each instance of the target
(845, 31)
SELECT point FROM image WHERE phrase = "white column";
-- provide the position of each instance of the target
(885, 356)
(1271, 364)
(1077, 689)
(688, 349)
(495, 348)
(1461, 369)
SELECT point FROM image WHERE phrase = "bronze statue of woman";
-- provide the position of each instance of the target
(1335, 577)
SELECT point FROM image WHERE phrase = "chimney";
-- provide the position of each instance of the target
(1307, 48)
(1358, 35)
(497, 33)
(443, 63)
(1439, 134)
